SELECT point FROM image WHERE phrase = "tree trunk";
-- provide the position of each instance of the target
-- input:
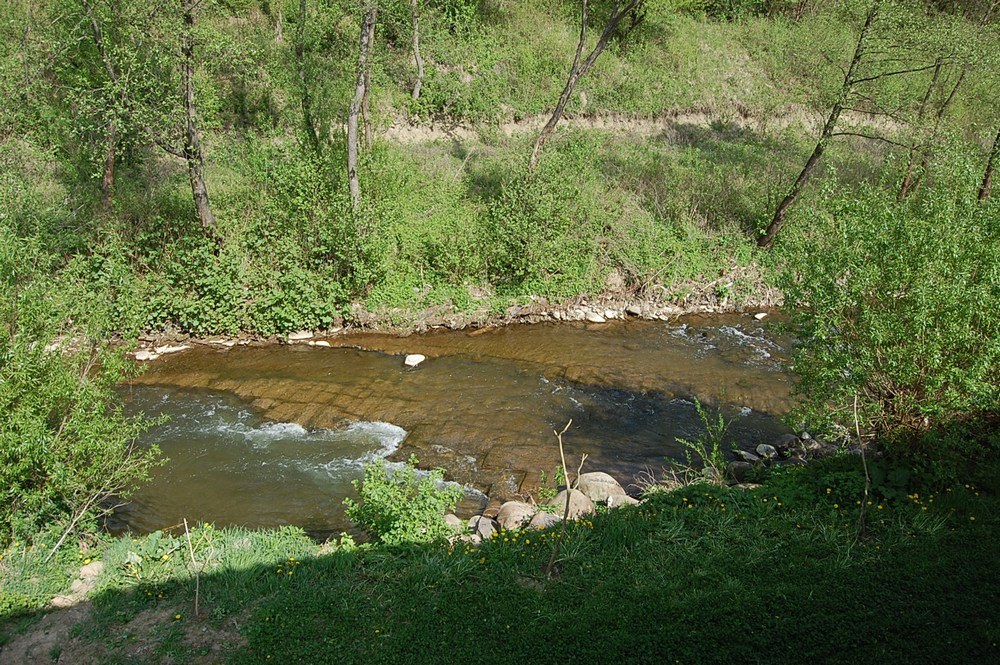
(367, 30)
(366, 120)
(991, 162)
(580, 69)
(111, 135)
(192, 140)
(308, 124)
(279, 28)
(108, 180)
(824, 138)
(926, 153)
(904, 189)
(415, 15)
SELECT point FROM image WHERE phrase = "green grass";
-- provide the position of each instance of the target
(705, 574)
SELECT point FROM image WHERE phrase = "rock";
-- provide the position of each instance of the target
(482, 526)
(414, 359)
(579, 504)
(543, 520)
(299, 336)
(633, 310)
(738, 470)
(62, 602)
(92, 569)
(594, 317)
(623, 500)
(454, 522)
(760, 316)
(171, 349)
(747, 456)
(787, 442)
(747, 486)
(767, 451)
(515, 515)
(146, 355)
(599, 486)
(322, 342)
(471, 538)
(611, 314)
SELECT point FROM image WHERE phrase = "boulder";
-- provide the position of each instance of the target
(515, 515)
(483, 526)
(599, 486)
(787, 442)
(414, 359)
(738, 470)
(171, 349)
(299, 336)
(454, 522)
(747, 456)
(543, 520)
(594, 317)
(633, 310)
(760, 316)
(623, 500)
(579, 504)
(767, 451)
(146, 354)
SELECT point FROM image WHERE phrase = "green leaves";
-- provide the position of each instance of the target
(402, 504)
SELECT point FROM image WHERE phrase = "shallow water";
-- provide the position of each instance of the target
(274, 435)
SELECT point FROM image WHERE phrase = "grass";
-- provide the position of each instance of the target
(704, 574)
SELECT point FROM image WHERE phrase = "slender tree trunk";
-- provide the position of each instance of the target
(991, 162)
(926, 153)
(824, 138)
(415, 15)
(904, 189)
(308, 124)
(111, 134)
(108, 179)
(367, 30)
(279, 27)
(366, 120)
(192, 141)
(580, 69)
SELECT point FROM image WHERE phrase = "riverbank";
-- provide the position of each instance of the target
(782, 573)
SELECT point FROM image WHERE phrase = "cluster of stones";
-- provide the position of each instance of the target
(591, 489)
(787, 450)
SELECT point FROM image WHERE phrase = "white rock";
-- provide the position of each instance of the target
(610, 314)
(767, 451)
(594, 317)
(515, 514)
(300, 336)
(599, 486)
(322, 342)
(579, 504)
(414, 359)
(543, 520)
(760, 316)
(623, 500)
(171, 349)
(633, 310)
(146, 354)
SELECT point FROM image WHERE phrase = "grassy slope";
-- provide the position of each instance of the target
(700, 575)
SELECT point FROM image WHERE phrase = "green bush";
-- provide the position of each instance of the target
(897, 308)
(403, 505)
(64, 445)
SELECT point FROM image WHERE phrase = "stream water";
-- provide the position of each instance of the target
(272, 435)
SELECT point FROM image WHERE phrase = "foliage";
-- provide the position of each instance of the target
(706, 455)
(896, 308)
(400, 504)
(64, 445)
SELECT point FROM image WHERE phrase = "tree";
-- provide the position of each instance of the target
(192, 138)
(360, 91)
(308, 122)
(415, 18)
(991, 162)
(891, 42)
(581, 67)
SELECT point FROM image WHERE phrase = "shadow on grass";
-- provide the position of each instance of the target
(738, 578)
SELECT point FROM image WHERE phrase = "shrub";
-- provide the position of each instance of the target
(402, 504)
(896, 305)
(64, 445)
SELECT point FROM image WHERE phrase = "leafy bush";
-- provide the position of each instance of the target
(402, 504)
(64, 445)
(897, 308)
